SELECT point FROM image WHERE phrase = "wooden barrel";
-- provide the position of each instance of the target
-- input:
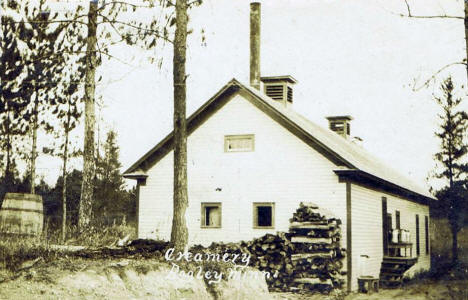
(22, 214)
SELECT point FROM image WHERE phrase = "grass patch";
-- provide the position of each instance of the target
(98, 236)
(15, 250)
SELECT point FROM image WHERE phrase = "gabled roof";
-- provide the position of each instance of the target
(350, 158)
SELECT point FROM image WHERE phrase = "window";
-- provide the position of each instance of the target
(264, 215)
(426, 231)
(211, 215)
(418, 250)
(239, 143)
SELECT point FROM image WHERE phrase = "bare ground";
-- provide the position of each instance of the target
(425, 289)
(144, 279)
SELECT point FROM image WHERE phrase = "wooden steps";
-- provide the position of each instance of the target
(393, 269)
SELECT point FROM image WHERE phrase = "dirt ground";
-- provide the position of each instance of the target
(144, 279)
(426, 289)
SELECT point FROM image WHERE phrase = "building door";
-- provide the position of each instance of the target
(385, 226)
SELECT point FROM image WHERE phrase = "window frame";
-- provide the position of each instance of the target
(204, 205)
(255, 205)
(227, 138)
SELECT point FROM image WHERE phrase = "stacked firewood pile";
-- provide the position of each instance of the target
(272, 254)
(309, 257)
(269, 253)
(318, 258)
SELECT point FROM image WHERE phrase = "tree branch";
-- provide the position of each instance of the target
(53, 21)
(410, 15)
(140, 28)
(433, 77)
(124, 3)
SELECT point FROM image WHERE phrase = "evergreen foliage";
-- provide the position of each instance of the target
(452, 159)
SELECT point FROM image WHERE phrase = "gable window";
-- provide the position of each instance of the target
(239, 143)
(211, 215)
(264, 215)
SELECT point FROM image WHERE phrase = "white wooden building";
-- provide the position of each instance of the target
(252, 159)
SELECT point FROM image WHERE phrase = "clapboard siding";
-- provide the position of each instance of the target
(366, 233)
(408, 211)
(282, 169)
(366, 207)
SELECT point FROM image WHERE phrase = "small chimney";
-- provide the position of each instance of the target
(340, 124)
(279, 88)
(255, 45)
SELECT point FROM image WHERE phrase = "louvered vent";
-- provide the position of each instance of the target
(275, 91)
(279, 88)
(340, 124)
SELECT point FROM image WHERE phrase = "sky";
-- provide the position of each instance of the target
(350, 57)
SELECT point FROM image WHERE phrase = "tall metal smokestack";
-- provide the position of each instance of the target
(255, 45)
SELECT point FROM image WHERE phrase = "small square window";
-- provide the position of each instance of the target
(211, 215)
(239, 143)
(264, 215)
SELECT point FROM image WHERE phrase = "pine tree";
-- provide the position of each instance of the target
(110, 195)
(103, 23)
(452, 159)
(179, 233)
(11, 102)
(86, 200)
(46, 60)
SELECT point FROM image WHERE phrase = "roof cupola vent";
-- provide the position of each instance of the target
(279, 88)
(340, 124)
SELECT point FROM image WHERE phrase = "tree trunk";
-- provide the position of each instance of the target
(466, 36)
(34, 144)
(454, 246)
(64, 176)
(86, 200)
(179, 234)
(64, 191)
(8, 173)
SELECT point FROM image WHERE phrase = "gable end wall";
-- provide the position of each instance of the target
(282, 169)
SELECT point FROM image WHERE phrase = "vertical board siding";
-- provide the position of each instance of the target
(282, 169)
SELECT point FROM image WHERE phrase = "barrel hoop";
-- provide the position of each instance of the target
(22, 209)
(22, 197)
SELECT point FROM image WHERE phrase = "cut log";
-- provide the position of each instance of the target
(313, 281)
(324, 225)
(310, 240)
(309, 205)
(311, 255)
